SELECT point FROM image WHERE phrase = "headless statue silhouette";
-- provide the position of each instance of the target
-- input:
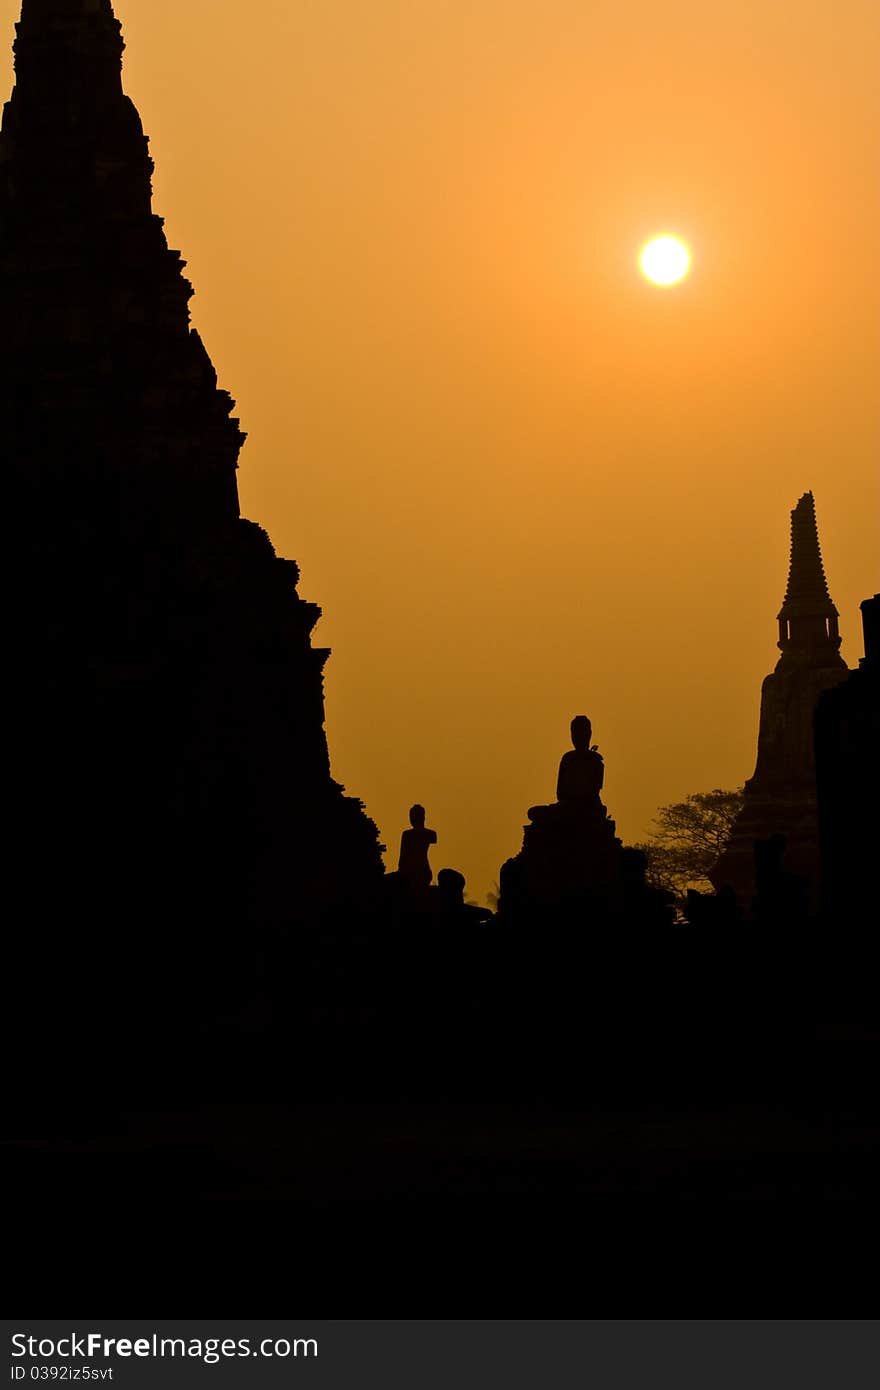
(582, 771)
(451, 905)
(413, 864)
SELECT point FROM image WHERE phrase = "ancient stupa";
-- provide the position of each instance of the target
(169, 770)
(780, 799)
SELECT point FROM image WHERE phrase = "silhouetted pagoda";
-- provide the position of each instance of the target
(780, 799)
(169, 768)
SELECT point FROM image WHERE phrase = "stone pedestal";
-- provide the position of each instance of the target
(569, 863)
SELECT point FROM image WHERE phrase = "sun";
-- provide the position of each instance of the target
(665, 260)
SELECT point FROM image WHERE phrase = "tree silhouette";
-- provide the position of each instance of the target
(689, 838)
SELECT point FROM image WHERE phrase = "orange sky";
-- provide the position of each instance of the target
(522, 483)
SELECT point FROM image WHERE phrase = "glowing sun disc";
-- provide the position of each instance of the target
(665, 260)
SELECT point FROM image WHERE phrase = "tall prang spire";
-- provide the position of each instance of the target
(808, 619)
(167, 700)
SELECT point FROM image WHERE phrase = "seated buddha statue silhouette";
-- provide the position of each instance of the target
(582, 770)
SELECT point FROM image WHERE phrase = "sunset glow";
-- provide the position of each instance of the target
(665, 260)
(521, 479)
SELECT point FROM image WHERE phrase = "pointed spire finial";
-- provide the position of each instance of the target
(807, 592)
(808, 617)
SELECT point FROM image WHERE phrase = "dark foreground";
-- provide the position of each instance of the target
(445, 1071)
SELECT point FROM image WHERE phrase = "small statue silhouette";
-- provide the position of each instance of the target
(413, 865)
(582, 771)
(451, 905)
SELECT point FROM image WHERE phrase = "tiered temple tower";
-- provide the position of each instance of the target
(169, 774)
(780, 799)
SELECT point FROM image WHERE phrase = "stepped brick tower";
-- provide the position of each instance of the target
(169, 768)
(780, 799)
